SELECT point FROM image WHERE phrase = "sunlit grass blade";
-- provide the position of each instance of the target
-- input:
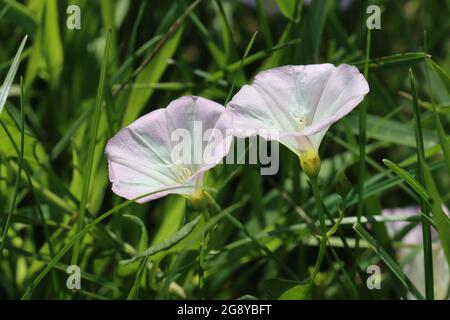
(92, 142)
(133, 294)
(4, 91)
(362, 140)
(19, 171)
(312, 27)
(394, 61)
(408, 178)
(247, 51)
(249, 60)
(167, 243)
(52, 48)
(214, 50)
(51, 264)
(264, 24)
(444, 143)
(441, 220)
(426, 228)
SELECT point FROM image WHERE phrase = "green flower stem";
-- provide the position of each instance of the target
(324, 236)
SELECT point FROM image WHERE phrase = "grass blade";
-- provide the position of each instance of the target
(441, 220)
(426, 228)
(92, 143)
(51, 264)
(10, 76)
(408, 178)
(393, 266)
(19, 172)
(394, 61)
(167, 243)
(444, 143)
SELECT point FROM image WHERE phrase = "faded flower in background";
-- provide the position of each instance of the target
(412, 255)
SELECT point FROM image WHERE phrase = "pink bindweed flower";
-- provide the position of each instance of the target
(413, 256)
(301, 103)
(169, 148)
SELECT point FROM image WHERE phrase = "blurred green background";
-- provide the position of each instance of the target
(161, 50)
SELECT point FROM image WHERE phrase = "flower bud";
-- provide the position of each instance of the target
(198, 201)
(343, 185)
(310, 162)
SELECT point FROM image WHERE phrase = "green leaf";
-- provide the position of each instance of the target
(34, 151)
(397, 60)
(51, 42)
(445, 78)
(391, 131)
(289, 290)
(311, 31)
(143, 239)
(4, 91)
(88, 166)
(167, 243)
(409, 179)
(444, 143)
(51, 264)
(288, 9)
(19, 171)
(21, 16)
(150, 74)
(441, 220)
(426, 227)
(173, 208)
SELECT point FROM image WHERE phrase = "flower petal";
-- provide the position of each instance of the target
(345, 89)
(300, 102)
(141, 157)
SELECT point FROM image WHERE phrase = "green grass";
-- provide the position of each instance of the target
(262, 238)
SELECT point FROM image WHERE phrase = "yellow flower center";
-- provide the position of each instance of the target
(181, 172)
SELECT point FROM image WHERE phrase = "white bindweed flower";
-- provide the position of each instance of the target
(301, 103)
(413, 256)
(169, 148)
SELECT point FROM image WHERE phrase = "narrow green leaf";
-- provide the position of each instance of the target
(289, 290)
(51, 42)
(51, 264)
(391, 131)
(311, 31)
(409, 179)
(92, 143)
(150, 74)
(21, 16)
(288, 8)
(426, 228)
(138, 280)
(167, 243)
(443, 76)
(394, 61)
(19, 172)
(444, 143)
(441, 220)
(4, 91)
(143, 239)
